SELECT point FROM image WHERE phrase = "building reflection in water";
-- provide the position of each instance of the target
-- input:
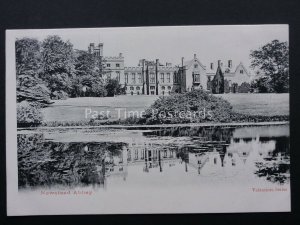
(46, 163)
(211, 157)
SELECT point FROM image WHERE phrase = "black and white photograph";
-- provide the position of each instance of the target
(143, 120)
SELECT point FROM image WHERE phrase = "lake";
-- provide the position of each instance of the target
(157, 170)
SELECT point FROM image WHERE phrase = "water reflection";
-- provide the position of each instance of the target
(219, 153)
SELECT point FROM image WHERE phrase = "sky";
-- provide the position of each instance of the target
(170, 43)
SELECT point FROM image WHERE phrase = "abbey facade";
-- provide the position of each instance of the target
(151, 77)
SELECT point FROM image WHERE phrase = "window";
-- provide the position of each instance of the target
(196, 66)
(108, 76)
(176, 77)
(108, 65)
(168, 77)
(138, 93)
(197, 78)
(129, 155)
(133, 78)
(140, 77)
(126, 88)
(152, 92)
(131, 88)
(163, 87)
(169, 87)
(163, 92)
(152, 78)
(136, 154)
(143, 154)
(126, 77)
(162, 78)
(152, 87)
(155, 154)
(118, 75)
(241, 71)
(137, 88)
(165, 154)
(117, 65)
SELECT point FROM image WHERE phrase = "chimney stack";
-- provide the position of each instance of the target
(211, 66)
(120, 55)
(182, 58)
(91, 48)
(195, 56)
(229, 63)
(219, 63)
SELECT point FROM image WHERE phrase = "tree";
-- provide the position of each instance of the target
(28, 56)
(262, 85)
(273, 61)
(57, 64)
(28, 67)
(244, 88)
(88, 74)
(113, 87)
(226, 86)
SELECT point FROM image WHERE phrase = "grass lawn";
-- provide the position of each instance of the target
(74, 109)
(259, 104)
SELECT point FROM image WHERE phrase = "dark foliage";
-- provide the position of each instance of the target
(272, 61)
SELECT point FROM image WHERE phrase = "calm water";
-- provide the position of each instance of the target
(163, 157)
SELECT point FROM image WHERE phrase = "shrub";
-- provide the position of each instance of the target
(191, 107)
(28, 114)
(244, 88)
(59, 95)
(226, 87)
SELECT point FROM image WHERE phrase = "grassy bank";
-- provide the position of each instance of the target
(73, 109)
(132, 122)
(239, 108)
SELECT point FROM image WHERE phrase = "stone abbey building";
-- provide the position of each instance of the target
(151, 77)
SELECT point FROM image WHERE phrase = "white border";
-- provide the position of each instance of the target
(18, 204)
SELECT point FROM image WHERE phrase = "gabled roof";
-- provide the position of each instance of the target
(189, 63)
(219, 73)
(242, 65)
(228, 72)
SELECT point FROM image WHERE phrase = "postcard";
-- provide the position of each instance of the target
(148, 120)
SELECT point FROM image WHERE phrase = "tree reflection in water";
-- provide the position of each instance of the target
(47, 163)
(44, 163)
(276, 167)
